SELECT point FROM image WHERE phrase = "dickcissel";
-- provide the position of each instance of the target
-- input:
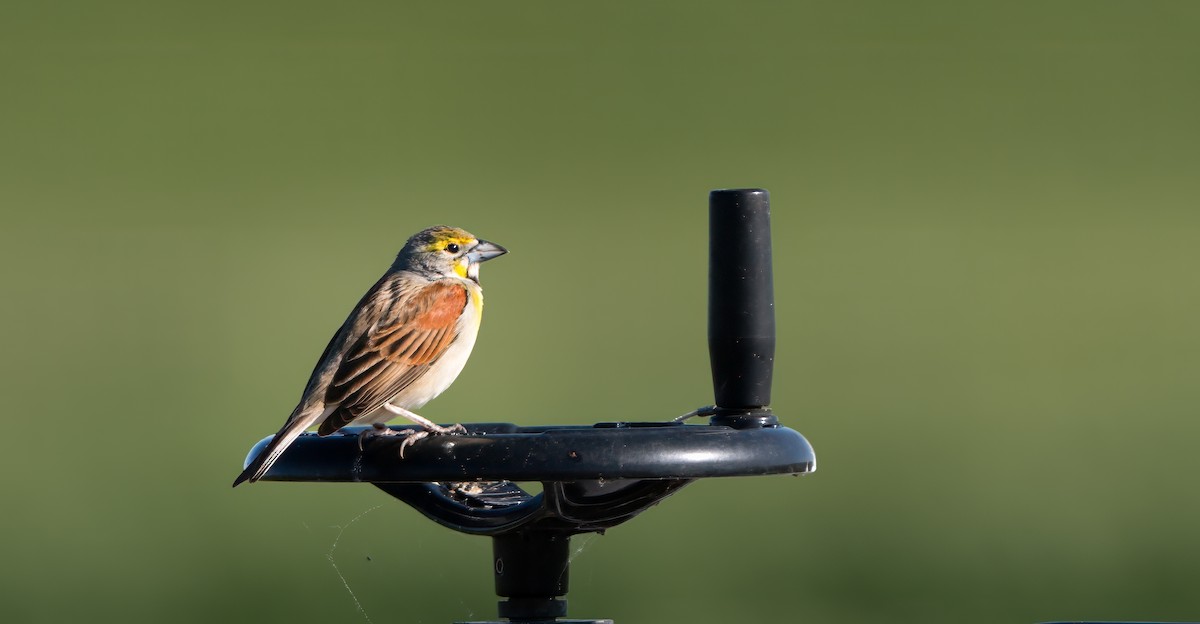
(402, 345)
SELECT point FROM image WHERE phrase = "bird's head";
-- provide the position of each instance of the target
(444, 251)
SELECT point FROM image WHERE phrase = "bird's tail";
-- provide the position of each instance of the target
(300, 420)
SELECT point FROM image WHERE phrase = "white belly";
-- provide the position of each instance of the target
(443, 372)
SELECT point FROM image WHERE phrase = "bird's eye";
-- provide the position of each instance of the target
(452, 247)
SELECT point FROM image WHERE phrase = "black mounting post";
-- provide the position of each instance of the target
(741, 306)
(593, 476)
(531, 571)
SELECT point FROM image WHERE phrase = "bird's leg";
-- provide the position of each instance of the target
(429, 426)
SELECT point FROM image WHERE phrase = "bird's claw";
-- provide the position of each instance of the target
(412, 439)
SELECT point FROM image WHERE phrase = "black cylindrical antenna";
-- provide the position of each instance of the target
(741, 305)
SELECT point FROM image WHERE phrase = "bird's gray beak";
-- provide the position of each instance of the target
(485, 251)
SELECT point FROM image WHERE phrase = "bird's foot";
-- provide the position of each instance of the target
(434, 430)
(455, 429)
(414, 436)
(411, 436)
(380, 430)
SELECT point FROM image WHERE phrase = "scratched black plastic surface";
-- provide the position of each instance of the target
(502, 451)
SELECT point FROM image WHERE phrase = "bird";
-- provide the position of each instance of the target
(405, 342)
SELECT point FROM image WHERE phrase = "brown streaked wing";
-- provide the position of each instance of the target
(409, 337)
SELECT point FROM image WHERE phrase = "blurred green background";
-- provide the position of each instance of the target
(987, 243)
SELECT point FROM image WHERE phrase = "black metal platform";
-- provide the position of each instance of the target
(503, 451)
